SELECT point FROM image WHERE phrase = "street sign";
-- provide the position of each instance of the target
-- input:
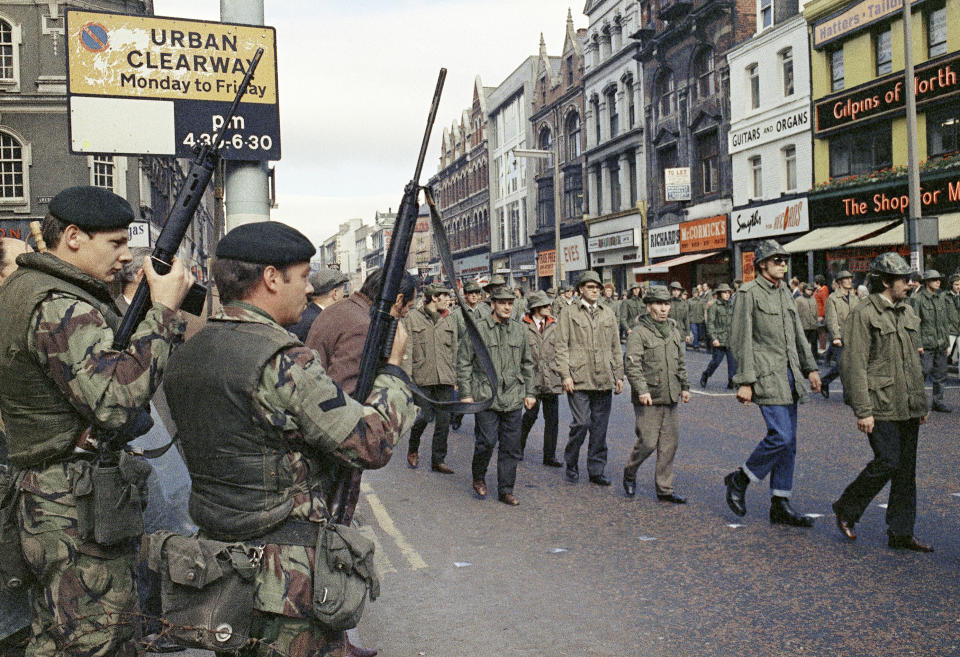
(160, 86)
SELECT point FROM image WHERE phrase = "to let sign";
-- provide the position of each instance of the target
(145, 84)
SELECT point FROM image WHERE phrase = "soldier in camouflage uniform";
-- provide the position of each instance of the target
(59, 375)
(249, 399)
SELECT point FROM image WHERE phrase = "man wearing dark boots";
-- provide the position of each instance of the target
(771, 352)
(542, 340)
(718, 335)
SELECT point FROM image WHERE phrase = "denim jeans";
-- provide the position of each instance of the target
(718, 355)
(776, 453)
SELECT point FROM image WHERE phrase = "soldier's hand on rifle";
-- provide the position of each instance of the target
(168, 289)
(399, 346)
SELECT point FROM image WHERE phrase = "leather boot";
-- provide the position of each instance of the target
(781, 513)
(358, 651)
(737, 482)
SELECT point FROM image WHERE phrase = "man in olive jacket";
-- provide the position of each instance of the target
(657, 370)
(883, 384)
(631, 309)
(934, 345)
(591, 366)
(507, 343)
(952, 297)
(718, 336)
(542, 339)
(680, 310)
(430, 360)
(839, 306)
(771, 354)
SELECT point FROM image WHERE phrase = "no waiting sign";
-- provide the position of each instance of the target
(160, 86)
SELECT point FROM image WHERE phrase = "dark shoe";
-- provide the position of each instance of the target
(358, 651)
(572, 475)
(553, 463)
(599, 480)
(630, 487)
(737, 482)
(703, 380)
(442, 468)
(942, 408)
(672, 498)
(825, 390)
(730, 385)
(480, 488)
(781, 513)
(455, 422)
(508, 498)
(413, 460)
(844, 524)
(908, 543)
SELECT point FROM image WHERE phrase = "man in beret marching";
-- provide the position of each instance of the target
(327, 287)
(274, 410)
(931, 307)
(771, 354)
(60, 375)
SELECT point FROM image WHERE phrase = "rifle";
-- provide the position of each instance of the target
(383, 325)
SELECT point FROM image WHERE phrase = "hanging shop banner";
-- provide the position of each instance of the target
(664, 241)
(703, 234)
(676, 184)
(770, 220)
(473, 266)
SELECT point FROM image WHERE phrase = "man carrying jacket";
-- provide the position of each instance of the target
(839, 306)
(591, 367)
(718, 336)
(934, 345)
(542, 339)
(772, 355)
(500, 424)
(431, 362)
(883, 384)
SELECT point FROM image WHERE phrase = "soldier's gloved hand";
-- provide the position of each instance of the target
(168, 289)
(399, 346)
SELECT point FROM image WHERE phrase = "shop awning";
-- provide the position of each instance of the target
(949, 230)
(832, 237)
(665, 266)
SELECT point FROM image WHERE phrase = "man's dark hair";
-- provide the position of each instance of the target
(236, 278)
(52, 230)
(371, 286)
(915, 277)
(819, 279)
(877, 282)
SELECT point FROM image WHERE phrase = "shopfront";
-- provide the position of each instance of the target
(574, 252)
(473, 267)
(689, 252)
(782, 221)
(615, 247)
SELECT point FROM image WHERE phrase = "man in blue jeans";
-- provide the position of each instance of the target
(771, 353)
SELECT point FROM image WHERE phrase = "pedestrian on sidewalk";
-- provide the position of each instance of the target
(883, 384)
(542, 339)
(839, 306)
(657, 371)
(500, 424)
(771, 353)
(718, 335)
(934, 347)
(591, 368)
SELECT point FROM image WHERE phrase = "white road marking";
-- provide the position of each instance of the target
(646, 538)
(386, 523)
(813, 515)
(734, 525)
(462, 564)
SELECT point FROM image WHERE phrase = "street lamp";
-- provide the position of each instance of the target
(555, 156)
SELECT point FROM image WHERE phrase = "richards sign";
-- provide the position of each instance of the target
(664, 241)
(933, 81)
(769, 130)
(770, 220)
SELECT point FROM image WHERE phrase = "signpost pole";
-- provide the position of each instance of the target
(913, 172)
(247, 182)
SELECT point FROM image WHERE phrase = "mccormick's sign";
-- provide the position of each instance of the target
(703, 234)
(770, 220)
(933, 81)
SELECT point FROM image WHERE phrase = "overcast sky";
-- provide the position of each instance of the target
(356, 80)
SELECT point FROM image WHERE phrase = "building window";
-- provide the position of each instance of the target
(633, 180)
(766, 14)
(756, 176)
(7, 45)
(545, 203)
(631, 103)
(573, 193)
(501, 229)
(614, 171)
(570, 64)
(611, 96)
(708, 152)
(666, 89)
(861, 151)
(753, 85)
(544, 143)
(943, 129)
(573, 136)
(883, 51)
(786, 71)
(667, 158)
(11, 168)
(101, 173)
(706, 75)
(599, 187)
(790, 167)
(836, 69)
(937, 31)
(596, 118)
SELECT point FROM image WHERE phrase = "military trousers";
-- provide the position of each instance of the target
(283, 636)
(551, 425)
(934, 362)
(698, 331)
(657, 430)
(591, 414)
(441, 428)
(894, 447)
(492, 428)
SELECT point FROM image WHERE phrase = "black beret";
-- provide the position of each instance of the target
(91, 208)
(266, 243)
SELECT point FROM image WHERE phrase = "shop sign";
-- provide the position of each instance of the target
(676, 183)
(936, 197)
(782, 126)
(17, 229)
(747, 272)
(546, 261)
(139, 234)
(703, 234)
(622, 239)
(770, 220)
(853, 19)
(574, 257)
(933, 81)
(664, 241)
(472, 265)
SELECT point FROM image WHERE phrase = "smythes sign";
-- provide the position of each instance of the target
(770, 220)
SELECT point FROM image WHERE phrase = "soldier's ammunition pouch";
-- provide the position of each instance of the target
(206, 589)
(15, 573)
(110, 498)
(343, 575)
